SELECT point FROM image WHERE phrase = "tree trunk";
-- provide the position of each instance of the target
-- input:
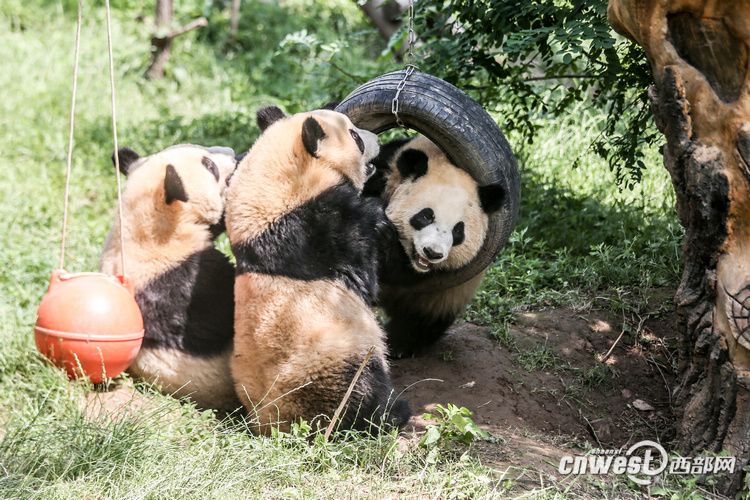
(386, 16)
(163, 34)
(698, 51)
(161, 43)
(234, 23)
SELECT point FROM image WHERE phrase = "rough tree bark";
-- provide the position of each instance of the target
(698, 52)
(163, 34)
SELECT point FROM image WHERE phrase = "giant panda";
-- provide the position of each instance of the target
(307, 247)
(441, 215)
(172, 208)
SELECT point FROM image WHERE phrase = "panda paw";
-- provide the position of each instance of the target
(387, 234)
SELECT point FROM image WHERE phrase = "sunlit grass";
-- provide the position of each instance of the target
(578, 236)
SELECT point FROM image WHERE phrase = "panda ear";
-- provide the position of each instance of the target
(127, 157)
(491, 197)
(173, 187)
(388, 151)
(412, 163)
(312, 133)
(240, 157)
(331, 105)
(267, 116)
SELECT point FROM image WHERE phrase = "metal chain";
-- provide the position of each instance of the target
(394, 104)
(408, 68)
(411, 35)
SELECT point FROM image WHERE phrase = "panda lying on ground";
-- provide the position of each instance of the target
(307, 247)
(441, 215)
(173, 204)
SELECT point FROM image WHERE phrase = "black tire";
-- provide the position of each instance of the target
(463, 130)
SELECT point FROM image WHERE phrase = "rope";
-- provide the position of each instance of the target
(114, 134)
(72, 127)
(70, 137)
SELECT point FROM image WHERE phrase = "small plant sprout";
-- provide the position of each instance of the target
(453, 425)
(447, 356)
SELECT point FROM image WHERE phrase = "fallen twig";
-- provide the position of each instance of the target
(669, 391)
(348, 393)
(609, 353)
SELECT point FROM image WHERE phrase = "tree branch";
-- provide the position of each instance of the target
(533, 79)
(198, 23)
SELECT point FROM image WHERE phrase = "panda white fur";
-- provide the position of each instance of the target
(307, 244)
(441, 215)
(172, 208)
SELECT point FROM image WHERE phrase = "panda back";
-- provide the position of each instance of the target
(333, 236)
(191, 306)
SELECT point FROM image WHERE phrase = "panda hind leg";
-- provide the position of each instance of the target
(380, 406)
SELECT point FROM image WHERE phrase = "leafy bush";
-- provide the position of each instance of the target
(535, 61)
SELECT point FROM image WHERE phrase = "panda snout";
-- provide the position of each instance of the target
(432, 254)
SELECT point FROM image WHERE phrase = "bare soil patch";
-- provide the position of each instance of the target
(547, 394)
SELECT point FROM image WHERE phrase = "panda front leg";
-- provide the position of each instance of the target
(413, 326)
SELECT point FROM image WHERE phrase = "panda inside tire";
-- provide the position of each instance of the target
(464, 131)
(452, 194)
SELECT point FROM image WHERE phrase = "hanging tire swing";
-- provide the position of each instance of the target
(465, 132)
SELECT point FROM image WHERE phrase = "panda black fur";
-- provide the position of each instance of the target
(307, 244)
(173, 205)
(441, 215)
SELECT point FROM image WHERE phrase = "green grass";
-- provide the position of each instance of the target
(171, 451)
(579, 240)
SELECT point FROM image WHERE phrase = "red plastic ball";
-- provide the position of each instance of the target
(89, 324)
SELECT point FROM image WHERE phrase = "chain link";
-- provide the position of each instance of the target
(408, 68)
(394, 104)
(411, 35)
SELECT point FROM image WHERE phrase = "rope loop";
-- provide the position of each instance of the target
(70, 136)
(114, 135)
(72, 128)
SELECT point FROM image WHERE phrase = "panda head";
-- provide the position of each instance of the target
(183, 183)
(327, 139)
(439, 210)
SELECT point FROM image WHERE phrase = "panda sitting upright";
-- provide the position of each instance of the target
(172, 208)
(441, 215)
(308, 248)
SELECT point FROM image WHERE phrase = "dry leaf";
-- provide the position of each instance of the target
(640, 404)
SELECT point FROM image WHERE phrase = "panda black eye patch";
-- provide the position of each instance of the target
(422, 219)
(211, 166)
(458, 234)
(358, 140)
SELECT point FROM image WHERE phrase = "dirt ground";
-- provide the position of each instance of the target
(540, 410)
(544, 397)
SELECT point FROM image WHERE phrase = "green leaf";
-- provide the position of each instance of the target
(431, 436)
(432, 456)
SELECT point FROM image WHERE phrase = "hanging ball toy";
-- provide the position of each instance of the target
(89, 324)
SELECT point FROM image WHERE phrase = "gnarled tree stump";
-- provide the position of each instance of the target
(698, 51)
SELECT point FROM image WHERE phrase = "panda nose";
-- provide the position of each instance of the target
(432, 254)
